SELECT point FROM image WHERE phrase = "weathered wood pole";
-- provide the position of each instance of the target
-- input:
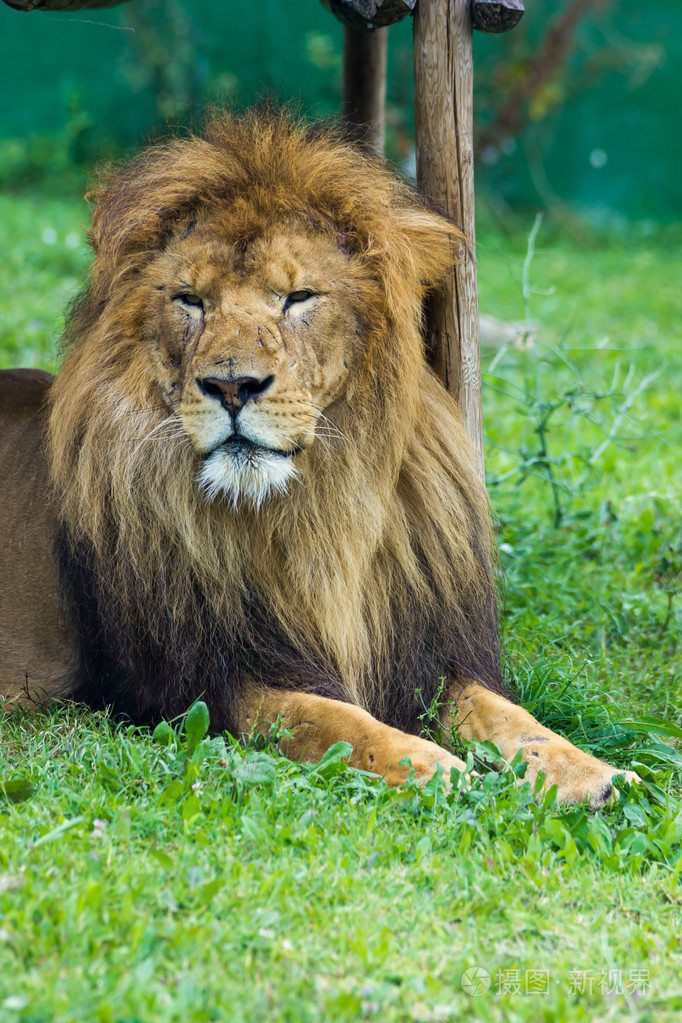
(364, 84)
(496, 15)
(61, 5)
(443, 83)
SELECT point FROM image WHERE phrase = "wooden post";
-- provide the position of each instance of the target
(61, 5)
(443, 82)
(496, 15)
(364, 84)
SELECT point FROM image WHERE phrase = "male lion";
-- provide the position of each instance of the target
(245, 484)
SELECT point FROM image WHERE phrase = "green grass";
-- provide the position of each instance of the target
(182, 878)
(45, 256)
(587, 423)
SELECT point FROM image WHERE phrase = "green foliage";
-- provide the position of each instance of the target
(185, 876)
(142, 879)
(582, 429)
(588, 123)
(163, 60)
(45, 256)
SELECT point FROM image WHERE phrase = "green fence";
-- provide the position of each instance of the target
(603, 134)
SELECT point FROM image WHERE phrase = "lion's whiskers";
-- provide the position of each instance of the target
(176, 434)
(323, 426)
(328, 422)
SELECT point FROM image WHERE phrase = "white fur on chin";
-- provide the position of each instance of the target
(251, 476)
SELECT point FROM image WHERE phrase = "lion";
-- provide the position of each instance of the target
(245, 484)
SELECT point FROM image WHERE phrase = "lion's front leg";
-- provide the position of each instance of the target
(317, 723)
(578, 776)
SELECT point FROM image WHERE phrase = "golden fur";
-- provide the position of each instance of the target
(387, 528)
(253, 489)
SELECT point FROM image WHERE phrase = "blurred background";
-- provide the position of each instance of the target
(577, 110)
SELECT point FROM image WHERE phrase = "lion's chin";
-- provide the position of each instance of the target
(246, 472)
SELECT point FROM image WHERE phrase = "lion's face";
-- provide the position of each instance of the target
(253, 347)
(252, 317)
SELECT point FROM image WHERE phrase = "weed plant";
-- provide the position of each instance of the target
(174, 875)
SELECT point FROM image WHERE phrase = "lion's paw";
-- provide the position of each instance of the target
(577, 775)
(424, 760)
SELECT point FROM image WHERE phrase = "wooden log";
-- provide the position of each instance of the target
(61, 5)
(364, 85)
(496, 15)
(443, 75)
(369, 14)
(487, 15)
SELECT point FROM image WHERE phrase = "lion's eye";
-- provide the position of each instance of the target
(189, 299)
(296, 297)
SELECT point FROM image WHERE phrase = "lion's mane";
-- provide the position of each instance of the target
(372, 579)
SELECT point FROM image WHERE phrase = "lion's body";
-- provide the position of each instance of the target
(245, 484)
(37, 648)
(198, 650)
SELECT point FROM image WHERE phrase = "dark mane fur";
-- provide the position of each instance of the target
(368, 584)
(148, 675)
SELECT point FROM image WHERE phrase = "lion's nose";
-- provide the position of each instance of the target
(234, 393)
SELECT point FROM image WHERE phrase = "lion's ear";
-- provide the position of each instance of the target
(417, 250)
(434, 243)
(118, 228)
(109, 216)
(139, 206)
(95, 232)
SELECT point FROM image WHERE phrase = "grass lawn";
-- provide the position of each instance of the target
(176, 877)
